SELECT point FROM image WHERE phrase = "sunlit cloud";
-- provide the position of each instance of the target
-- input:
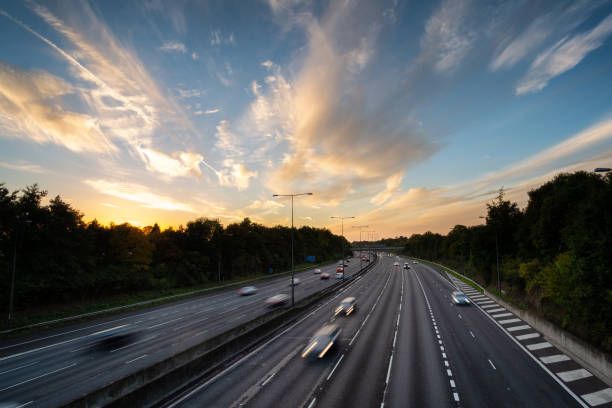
(211, 111)
(226, 140)
(180, 164)
(30, 168)
(109, 205)
(392, 186)
(563, 56)
(235, 175)
(173, 46)
(139, 194)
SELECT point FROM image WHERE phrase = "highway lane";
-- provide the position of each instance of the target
(489, 369)
(53, 367)
(426, 352)
(276, 374)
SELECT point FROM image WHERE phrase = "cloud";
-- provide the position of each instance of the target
(109, 205)
(226, 140)
(217, 38)
(235, 175)
(29, 109)
(198, 113)
(211, 111)
(30, 168)
(173, 46)
(448, 35)
(188, 93)
(392, 186)
(180, 164)
(328, 134)
(194, 56)
(563, 56)
(138, 193)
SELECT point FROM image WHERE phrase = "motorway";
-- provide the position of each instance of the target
(53, 367)
(407, 345)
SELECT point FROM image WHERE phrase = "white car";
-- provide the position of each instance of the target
(395, 263)
(278, 300)
(317, 270)
(296, 281)
(339, 275)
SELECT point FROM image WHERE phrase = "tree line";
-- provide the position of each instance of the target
(60, 258)
(554, 256)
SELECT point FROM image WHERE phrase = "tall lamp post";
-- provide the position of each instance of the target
(292, 265)
(496, 257)
(341, 218)
(20, 224)
(361, 244)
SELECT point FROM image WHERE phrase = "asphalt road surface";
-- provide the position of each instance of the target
(53, 367)
(407, 345)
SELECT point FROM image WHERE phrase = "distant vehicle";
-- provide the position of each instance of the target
(395, 263)
(339, 269)
(277, 300)
(415, 262)
(459, 298)
(317, 270)
(247, 290)
(339, 275)
(406, 266)
(346, 307)
(112, 338)
(325, 275)
(296, 281)
(322, 341)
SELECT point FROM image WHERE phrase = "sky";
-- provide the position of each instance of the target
(408, 116)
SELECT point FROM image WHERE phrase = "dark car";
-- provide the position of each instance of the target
(115, 337)
(346, 307)
(459, 298)
(322, 341)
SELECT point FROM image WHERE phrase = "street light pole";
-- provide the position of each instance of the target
(292, 263)
(342, 233)
(360, 245)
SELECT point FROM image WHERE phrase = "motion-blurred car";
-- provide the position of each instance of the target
(115, 337)
(339, 269)
(459, 298)
(395, 263)
(317, 270)
(339, 275)
(277, 300)
(325, 275)
(346, 307)
(295, 281)
(322, 341)
(415, 262)
(406, 266)
(247, 290)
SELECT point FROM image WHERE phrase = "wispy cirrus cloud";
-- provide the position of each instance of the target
(563, 56)
(173, 46)
(211, 111)
(217, 38)
(139, 194)
(30, 168)
(448, 35)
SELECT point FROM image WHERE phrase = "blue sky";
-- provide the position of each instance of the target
(407, 116)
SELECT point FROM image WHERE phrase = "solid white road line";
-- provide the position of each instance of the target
(574, 375)
(37, 377)
(517, 328)
(268, 380)
(539, 346)
(509, 321)
(528, 336)
(554, 359)
(137, 358)
(17, 368)
(312, 403)
(598, 398)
